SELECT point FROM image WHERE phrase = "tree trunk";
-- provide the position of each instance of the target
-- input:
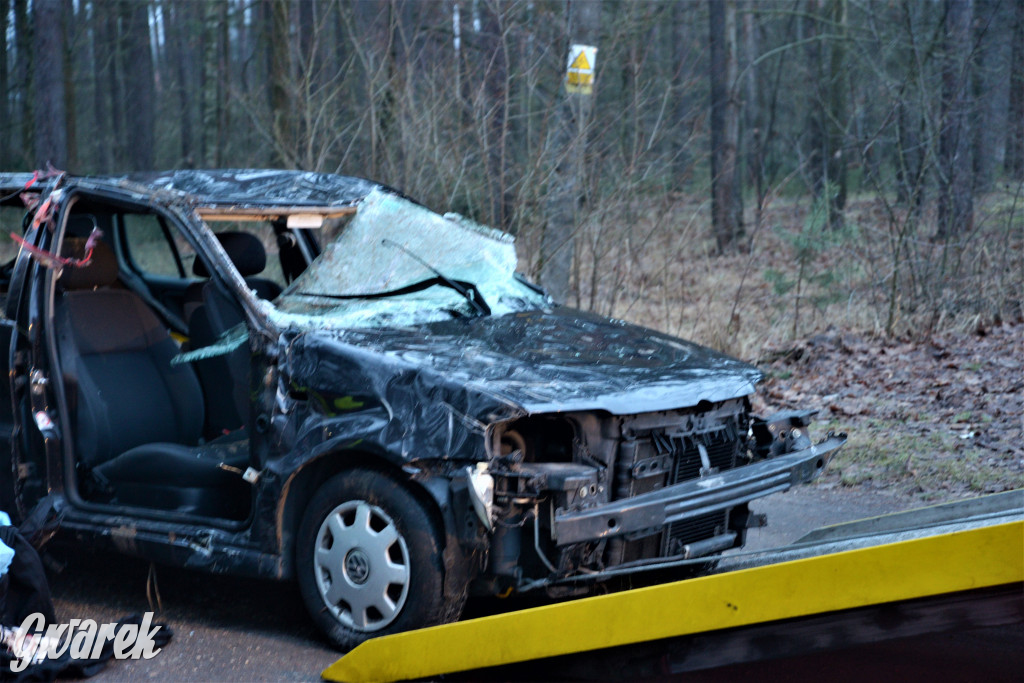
(51, 144)
(116, 88)
(5, 145)
(139, 106)
(567, 185)
(495, 95)
(182, 50)
(308, 78)
(985, 130)
(279, 75)
(815, 112)
(681, 157)
(101, 144)
(69, 28)
(956, 201)
(1014, 163)
(726, 207)
(340, 40)
(23, 83)
(307, 37)
(371, 35)
(753, 119)
(223, 78)
(212, 87)
(909, 157)
(836, 117)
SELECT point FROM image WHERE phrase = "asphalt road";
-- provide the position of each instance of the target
(225, 629)
(228, 629)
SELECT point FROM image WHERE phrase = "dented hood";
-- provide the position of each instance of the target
(549, 361)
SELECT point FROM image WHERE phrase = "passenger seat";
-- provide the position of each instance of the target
(211, 312)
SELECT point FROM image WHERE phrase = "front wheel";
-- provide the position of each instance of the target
(370, 560)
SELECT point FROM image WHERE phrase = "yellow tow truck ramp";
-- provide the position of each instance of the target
(950, 566)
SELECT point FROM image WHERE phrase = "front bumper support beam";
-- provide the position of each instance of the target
(694, 498)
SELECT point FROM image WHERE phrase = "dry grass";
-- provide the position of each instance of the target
(654, 263)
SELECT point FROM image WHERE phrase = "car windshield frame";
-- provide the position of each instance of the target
(393, 265)
(390, 238)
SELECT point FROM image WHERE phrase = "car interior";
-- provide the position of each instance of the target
(148, 432)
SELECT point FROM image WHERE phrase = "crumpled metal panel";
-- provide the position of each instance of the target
(11, 185)
(403, 412)
(259, 188)
(531, 362)
(366, 259)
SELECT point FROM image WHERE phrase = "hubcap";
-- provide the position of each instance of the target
(361, 564)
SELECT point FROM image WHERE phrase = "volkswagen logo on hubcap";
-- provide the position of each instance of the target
(357, 566)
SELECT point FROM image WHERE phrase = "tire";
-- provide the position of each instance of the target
(369, 560)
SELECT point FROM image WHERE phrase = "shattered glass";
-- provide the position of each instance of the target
(390, 244)
(225, 344)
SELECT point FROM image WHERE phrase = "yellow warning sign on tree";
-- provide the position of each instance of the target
(579, 75)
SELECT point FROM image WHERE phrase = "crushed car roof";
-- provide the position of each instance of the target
(260, 187)
(256, 188)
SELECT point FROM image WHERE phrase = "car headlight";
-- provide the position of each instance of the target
(482, 492)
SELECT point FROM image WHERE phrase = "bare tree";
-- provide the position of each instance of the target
(23, 79)
(138, 85)
(682, 99)
(567, 189)
(213, 82)
(753, 114)
(956, 199)
(836, 116)
(70, 26)
(51, 142)
(1015, 119)
(5, 115)
(180, 31)
(985, 74)
(110, 86)
(494, 99)
(726, 207)
(458, 103)
(275, 20)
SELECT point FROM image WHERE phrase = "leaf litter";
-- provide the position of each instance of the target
(936, 418)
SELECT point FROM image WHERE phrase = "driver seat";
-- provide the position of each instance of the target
(137, 419)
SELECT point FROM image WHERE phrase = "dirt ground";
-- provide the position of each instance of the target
(934, 419)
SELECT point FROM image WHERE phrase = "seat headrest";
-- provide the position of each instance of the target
(101, 271)
(245, 251)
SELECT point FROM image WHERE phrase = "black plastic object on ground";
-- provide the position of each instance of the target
(24, 591)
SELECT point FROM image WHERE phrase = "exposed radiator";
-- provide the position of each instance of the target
(663, 457)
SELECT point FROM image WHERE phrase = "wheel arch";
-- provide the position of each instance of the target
(433, 493)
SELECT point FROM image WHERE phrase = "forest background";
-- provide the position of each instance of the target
(853, 161)
(748, 174)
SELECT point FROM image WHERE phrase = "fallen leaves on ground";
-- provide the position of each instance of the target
(941, 417)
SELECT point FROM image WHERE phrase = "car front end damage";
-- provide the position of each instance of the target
(560, 454)
(581, 497)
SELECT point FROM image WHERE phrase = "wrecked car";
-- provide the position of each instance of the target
(393, 417)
